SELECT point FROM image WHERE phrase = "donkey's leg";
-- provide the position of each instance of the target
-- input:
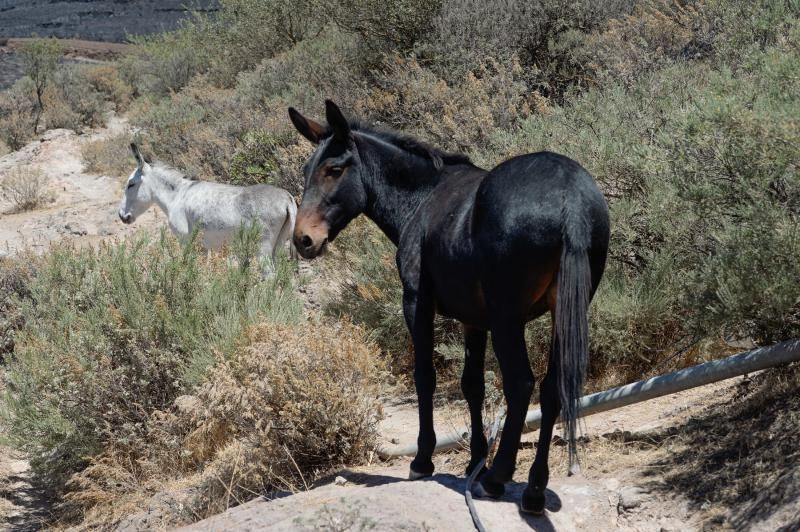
(533, 499)
(508, 338)
(474, 389)
(419, 310)
(267, 256)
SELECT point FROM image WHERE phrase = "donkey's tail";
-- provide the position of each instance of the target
(571, 320)
(288, 227)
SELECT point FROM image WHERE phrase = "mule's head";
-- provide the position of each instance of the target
(334, 191)
(137, 197)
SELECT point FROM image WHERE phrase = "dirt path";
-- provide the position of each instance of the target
(84, 207)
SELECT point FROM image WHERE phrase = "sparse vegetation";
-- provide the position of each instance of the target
(685, 112)
(25, 187)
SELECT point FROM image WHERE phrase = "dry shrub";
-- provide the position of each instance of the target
(17, 116)
(26, 188)
(294, 402)
(413, 98)
(106, 80)
(657, 33)
(297, 401)
(109, 156)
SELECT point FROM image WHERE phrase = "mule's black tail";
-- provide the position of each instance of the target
(572, 322)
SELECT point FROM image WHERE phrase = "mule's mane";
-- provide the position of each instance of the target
(411, 145)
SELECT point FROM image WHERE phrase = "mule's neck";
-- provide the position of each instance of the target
(399, 182)
(165, 183)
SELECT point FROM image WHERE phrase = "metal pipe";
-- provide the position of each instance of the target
(702, 374)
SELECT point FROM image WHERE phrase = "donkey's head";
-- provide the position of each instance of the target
(334, 189)
(138, 197)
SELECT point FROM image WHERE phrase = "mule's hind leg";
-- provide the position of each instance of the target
(474, 389)
(508, 339)
(533, 499)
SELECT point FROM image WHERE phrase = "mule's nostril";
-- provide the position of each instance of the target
(306, 241)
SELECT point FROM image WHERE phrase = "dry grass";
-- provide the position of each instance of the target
(26, 188)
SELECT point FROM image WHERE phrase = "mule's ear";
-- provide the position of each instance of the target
(138, 155)
(336, 120)
(306, 127)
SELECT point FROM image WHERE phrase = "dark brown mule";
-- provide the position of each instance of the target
(490, 249)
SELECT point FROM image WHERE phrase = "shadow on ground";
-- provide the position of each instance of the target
(739, 461)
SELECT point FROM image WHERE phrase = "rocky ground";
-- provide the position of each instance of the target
(616, 490)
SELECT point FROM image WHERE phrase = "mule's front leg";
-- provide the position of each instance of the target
(419, 311)
(473, 387)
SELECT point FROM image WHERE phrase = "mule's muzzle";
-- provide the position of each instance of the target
(310, 235)
(127, 218)
(308, 247)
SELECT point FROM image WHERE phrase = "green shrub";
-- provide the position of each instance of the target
(114, 334)
(164, 63)
(467, 32)
(704, 203)
(384, 26)
(15, 274)
(40, 59)
(72, 102)
(334, 65)
(454, 116)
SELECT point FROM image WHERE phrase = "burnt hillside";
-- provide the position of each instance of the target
(98, 20)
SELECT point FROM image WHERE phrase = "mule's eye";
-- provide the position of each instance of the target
(336, 171)
(131, 185)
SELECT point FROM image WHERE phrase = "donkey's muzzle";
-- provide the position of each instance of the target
(127, 218)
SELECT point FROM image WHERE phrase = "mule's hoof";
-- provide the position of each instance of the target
(420, 469)
(486, 488)
(416, 475)
(532, 503)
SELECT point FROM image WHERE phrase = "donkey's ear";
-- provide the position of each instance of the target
(336, 120)
(311, 130)
(140, 162)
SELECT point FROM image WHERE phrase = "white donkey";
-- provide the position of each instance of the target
(217, 210)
